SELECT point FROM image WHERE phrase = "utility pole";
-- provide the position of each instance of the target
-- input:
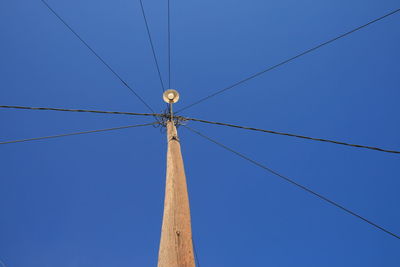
(176, 245)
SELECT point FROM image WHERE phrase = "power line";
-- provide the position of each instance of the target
(195, 253)
(288, 60)
(152, 46)
(292, 135)
(294, 183)
(169, 44)
(82, 110)
(203, 121)
(77, 133)
(97, 55)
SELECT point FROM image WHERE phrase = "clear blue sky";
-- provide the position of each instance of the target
(96, 200)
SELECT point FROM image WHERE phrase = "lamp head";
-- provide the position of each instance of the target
(171, 96)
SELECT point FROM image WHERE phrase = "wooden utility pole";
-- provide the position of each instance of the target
(176, 246)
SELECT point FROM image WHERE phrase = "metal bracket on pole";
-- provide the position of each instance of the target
(171, 96)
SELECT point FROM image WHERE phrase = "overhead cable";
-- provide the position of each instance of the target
(169, 43)
(98, 56)
(195, 253)
(82, 110)
(204, 121)
(76, 133)
(287, 60)
(292, 135)
(285, 178)
(152, 46)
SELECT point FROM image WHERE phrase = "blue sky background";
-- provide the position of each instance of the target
(96, 200)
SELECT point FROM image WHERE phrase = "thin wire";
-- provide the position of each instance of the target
(97, 55)
(292, 135)
(203, 121)
(169, 45)
(82, 110)
(2, 263)
(77, 133)
(152, 46)
(293, 182)
(195, 253)
(288, 60)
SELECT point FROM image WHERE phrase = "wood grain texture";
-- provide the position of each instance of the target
(176, 247)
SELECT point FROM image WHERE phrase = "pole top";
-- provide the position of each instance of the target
(171, 96)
